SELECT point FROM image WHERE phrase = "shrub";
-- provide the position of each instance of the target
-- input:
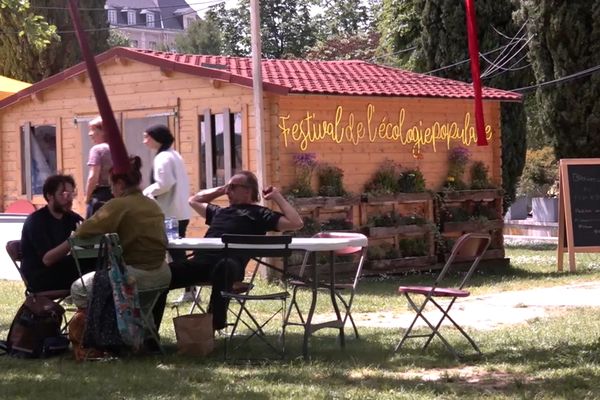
(385, 179)
(304, 164)
(414, 247)
(388, 219)
(411, 181)
(540, 173)
(458, 157)
(331, 182)
(479, 176)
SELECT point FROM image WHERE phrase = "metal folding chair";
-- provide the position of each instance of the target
(469, 248)
(84, 249)
(14, 251)
(344, 291)
(257, 247)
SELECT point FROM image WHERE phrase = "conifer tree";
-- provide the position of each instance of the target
(566, 40)
(443, 42)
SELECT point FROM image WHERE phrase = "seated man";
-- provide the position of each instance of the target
(242, 216)
(46, 263)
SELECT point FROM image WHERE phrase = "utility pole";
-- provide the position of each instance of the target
(258, 91)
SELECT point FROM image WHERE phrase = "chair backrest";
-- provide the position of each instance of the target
(21, 206)
(470, 247)
(15, 252)
(84, 249)
(257, 246)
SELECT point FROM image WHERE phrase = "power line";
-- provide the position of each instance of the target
(567, 78)
(394, 53)
(503, 59)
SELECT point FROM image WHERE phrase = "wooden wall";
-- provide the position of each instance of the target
(137, 90)
(360, 154)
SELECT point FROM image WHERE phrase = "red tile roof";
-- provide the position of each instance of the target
(350, 78)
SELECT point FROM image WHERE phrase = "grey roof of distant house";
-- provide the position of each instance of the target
(166, 8)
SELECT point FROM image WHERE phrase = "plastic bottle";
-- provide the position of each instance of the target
(173, 228)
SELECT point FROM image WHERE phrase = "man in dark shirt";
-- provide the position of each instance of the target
(46, 264)
(242, 216)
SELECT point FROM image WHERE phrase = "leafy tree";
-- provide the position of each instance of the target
(400, 28)
(286, 28)
(24, 36)
(66, 52)
(362, 46)
(234, 25)
(202, 37)
(343, 18)
(345, 30)
(565, 40)
(25, 59)
(443, 42)
(117, 39)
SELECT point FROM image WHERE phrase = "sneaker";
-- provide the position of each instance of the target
(187, 296)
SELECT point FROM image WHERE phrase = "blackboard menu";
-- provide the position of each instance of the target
(584, 191)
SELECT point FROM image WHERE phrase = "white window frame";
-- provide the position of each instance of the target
(208, 132)
(26, 157)
(112, 17)
(150, 20)
(131, 17)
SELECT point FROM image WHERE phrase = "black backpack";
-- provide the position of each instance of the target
(35, 330)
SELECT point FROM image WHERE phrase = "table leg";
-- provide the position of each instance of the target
(313, 305)
(334, 298)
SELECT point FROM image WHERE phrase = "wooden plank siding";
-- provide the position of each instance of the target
(137, 89)
(359, 161)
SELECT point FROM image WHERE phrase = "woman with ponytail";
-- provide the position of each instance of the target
(169, 185)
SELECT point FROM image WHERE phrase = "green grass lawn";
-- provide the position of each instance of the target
(550, 358)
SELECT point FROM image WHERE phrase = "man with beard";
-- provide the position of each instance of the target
(46, 263)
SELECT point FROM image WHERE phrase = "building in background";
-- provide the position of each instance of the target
(150, 24)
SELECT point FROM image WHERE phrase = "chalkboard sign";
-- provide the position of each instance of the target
(584, 192)
(579, 221)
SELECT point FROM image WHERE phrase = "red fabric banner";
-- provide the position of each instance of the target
(118, 151)
(475, 73)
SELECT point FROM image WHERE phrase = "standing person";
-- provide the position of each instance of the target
(46, 263)
(97, 189)
(139, 222)
(169, 185)
(242, 216)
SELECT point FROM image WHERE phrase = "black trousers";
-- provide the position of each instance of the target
(202, 268)
(59, 276)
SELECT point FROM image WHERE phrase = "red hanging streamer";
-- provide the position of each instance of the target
(118, 151)
(475, 73)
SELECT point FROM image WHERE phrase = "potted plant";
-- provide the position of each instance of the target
(304, 164)
(539, 181)
(385, 180)
(458, 158)
(330, 180)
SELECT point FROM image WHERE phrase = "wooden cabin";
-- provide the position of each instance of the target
(352, 114)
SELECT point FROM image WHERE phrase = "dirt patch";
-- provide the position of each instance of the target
(469, 375)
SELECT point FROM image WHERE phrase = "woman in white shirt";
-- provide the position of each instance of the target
(169, 183)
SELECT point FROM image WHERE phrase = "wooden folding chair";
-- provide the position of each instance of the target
(14, 251)
(468, 248)
(257, 247)
(344, 291)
